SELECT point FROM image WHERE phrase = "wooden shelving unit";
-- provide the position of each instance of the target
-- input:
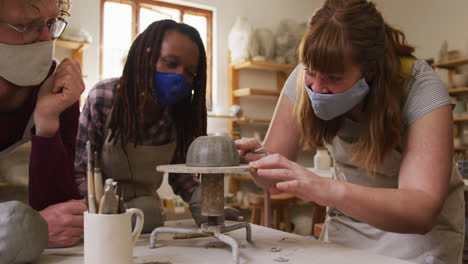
(222, 116)
(235, 92)
(246, 120)
(263, 65)
(460, 118)
(452, 66)
(458, 90)
(463, 148)
(77, 48)
(243, 119)
(251, 91)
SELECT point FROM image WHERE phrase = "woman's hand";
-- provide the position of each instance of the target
(296, 179)
(245, 146)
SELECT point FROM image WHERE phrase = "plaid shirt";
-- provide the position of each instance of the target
(92, 127)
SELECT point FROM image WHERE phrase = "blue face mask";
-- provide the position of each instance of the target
(170, 88)
(329, 106)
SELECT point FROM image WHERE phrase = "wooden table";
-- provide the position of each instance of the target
(292, 249)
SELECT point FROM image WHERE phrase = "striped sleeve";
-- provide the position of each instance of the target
(426, 92)
(289, 87)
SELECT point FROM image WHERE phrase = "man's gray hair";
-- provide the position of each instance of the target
(63, 6)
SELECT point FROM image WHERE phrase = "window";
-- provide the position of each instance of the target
(123, 20)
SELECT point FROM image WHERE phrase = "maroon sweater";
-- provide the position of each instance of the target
(51, 169)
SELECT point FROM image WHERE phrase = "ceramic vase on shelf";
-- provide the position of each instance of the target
(322, 160)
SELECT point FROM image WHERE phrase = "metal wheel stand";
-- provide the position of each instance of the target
(212, 204)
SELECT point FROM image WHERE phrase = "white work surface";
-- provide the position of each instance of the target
(293, 249)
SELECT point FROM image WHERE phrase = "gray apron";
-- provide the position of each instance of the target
(135, 170)
(14, 167)
(443, 244)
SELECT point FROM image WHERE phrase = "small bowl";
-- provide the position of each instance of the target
(212, 151)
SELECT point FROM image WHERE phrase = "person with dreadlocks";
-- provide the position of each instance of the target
(149, 116)
(386, 119)
(38, 105)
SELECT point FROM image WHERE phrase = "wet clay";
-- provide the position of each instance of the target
(23, 232)
(212, 151)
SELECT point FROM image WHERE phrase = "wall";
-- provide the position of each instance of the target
(86, 14)
(427, 23)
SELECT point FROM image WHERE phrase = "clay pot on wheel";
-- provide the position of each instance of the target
(212, 151)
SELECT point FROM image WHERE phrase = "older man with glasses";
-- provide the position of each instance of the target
(39, 103)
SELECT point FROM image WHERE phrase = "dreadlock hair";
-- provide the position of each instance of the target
(355, 29)
(137, 81)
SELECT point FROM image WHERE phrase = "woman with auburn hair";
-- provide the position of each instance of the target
(386, 120)
(148, 117)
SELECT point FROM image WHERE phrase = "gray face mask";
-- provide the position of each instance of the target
(329, 106)
(26, 65)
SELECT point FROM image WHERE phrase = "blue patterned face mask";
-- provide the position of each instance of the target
(329, 106)
(170, 88)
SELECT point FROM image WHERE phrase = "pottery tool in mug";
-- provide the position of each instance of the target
(122, 207)
(99, 189)
(90, 178)
(110, 201)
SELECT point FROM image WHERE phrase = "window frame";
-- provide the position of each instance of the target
(137, 4)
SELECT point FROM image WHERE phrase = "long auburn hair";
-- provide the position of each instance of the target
(133, 88)
(355, 29)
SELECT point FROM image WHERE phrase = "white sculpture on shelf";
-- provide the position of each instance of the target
(287, 38)
(262, 45)
(239, 39)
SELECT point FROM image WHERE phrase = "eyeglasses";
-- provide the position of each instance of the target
(31, 33)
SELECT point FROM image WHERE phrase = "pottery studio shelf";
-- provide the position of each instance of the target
(451, 63)
(458, 90)
(263, 65)
(460, 117)
(73, 45)
(76, 47)
(235, 92)
(462, 148)
(242, 119)
(250, 91)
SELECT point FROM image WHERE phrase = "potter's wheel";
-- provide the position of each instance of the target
(212, 203)
(210, 158)
(183, 168)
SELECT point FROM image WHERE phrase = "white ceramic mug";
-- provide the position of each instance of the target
(109, 239)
